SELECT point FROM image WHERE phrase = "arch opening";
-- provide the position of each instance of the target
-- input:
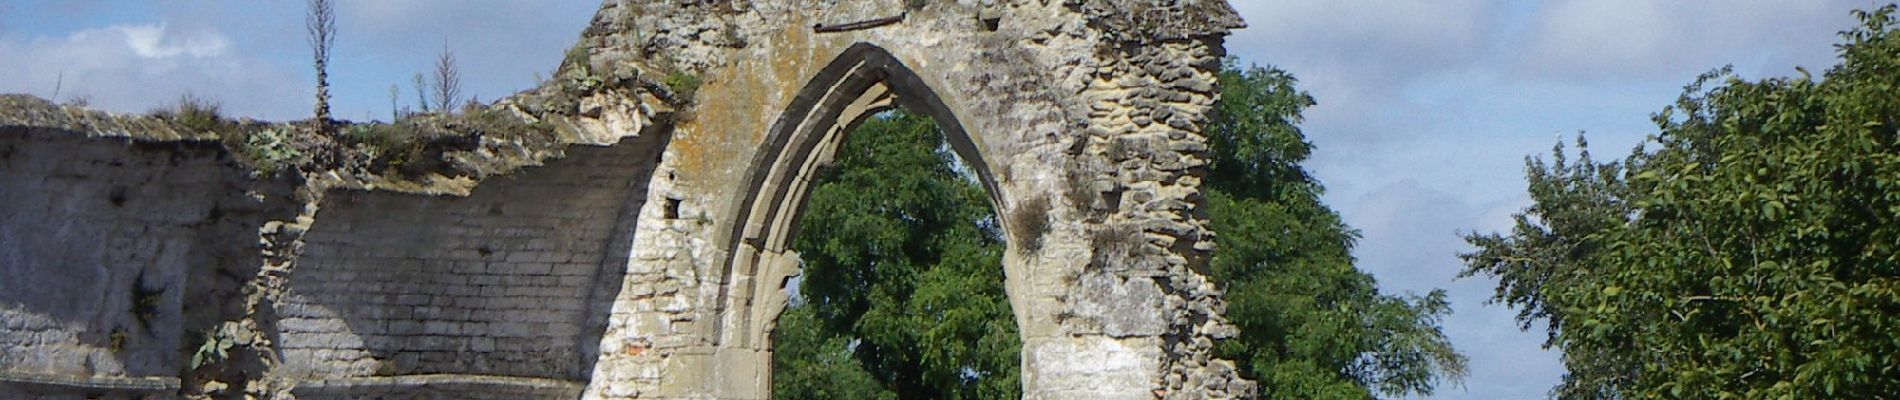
(901, 288)
(861, 83)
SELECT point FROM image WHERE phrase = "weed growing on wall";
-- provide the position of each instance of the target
(386, 146)
(195, 113)
(270, 150)
(1029, 222)
(684, 86)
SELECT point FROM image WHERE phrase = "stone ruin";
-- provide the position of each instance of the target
(621, 231)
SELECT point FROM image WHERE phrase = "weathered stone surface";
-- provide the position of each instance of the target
(105, 240)
(1041, 102)
(21, 112)
(512, 280)
(1122, 307)
(1161, 20)
(622, 232)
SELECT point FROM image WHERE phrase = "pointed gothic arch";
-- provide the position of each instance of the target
(1086, 141)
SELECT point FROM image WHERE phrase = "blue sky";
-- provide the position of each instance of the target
(1426, 109)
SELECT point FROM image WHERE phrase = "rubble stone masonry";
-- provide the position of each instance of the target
(622, 231)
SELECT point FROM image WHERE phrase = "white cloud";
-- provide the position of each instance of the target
(1358, 58)
(1394, 41)
(1657, 39)
(134, 68)
(154, 41)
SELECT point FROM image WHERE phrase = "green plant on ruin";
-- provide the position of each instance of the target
(683, 85)
(270, 150)
(216, 345)
(494, 122)
(579, 60)
(586, 83)
(577, 71)
(390, 146)
(195, 113)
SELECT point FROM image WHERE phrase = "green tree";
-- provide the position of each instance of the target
(1312, 325)
(902, 288)
(902, 285)
(1748, 251)
(810, 362)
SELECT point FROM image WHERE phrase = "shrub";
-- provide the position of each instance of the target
(195, 113)
(1029, 222)
(391, 146)
(579, 59)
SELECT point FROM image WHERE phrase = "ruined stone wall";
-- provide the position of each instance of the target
(513, 280)
(126, 240)
(1082, 117)
(111, 248)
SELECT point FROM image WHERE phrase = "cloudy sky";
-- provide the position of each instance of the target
(1426, 111)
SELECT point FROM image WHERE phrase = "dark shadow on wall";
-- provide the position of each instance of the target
(515, 280)
(114, 255)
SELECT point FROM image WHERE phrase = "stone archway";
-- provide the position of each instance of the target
(1082, 119)
(863, 81)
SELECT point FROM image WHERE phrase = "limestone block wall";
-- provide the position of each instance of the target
(114, 252)
(512, 281)
(1081, 117)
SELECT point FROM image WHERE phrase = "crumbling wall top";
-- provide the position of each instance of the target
(1149, 20)
(23, 111)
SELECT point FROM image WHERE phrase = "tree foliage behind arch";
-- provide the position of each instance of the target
(902, 288)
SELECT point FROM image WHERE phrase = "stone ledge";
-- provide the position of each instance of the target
(23, 111)
(91, 383)
(490, 384)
